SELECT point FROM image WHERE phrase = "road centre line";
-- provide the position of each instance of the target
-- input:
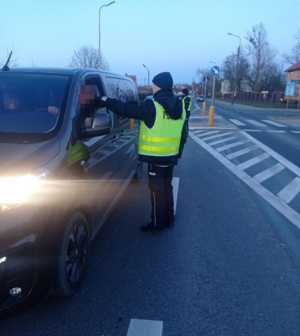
(289, 192)
(175, 184)
(266, 174)
(252, 130)
(241, 152)
(254, 161)
(237, 122)
(295, 131)
(216, 136)
(256, 123)
(221, 141)
(274, 131)
(145, 328)
(220, 149)
(275, 201)
(274, 123)
(275, 155)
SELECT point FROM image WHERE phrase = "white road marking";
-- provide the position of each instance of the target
(204, 116)
(253, 161)
(252, 130)
(237, 122)
(256, 123)
(266, 174)
(275, 155)
(273, 131)
(145, 328)
(295, 131)
(221, 141)
(241, 152)
(213, 127)
(196, 132)
(220, 149)
(213, 132)
(275, 201)
(175, 184)
(274, 123)
(216, 136)
(289, 192)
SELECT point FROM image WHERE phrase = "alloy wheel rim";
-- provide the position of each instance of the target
(76, 252)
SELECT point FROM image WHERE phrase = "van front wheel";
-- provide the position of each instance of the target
(73, 256)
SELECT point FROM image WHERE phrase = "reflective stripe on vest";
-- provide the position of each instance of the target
(190, 104)
(163, 139)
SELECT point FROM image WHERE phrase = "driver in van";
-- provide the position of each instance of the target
(11, 101)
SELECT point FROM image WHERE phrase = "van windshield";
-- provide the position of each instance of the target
(31, 103)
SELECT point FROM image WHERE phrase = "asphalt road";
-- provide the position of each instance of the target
(286, 144)
(230, 266)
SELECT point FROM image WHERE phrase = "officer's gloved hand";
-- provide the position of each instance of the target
(102, 102)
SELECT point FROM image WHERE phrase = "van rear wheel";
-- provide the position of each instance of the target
(73, 256)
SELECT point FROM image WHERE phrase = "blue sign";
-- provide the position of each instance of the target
(215, 70)
(122, 98)
(290, 88)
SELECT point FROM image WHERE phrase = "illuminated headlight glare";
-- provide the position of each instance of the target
(17, 190)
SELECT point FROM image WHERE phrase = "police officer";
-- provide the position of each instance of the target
(187, 103)
(162, 119)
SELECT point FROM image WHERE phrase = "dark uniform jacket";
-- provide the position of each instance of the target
(146, 111)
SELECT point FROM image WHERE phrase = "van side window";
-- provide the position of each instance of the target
(131, 92)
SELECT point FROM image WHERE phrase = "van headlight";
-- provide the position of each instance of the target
(15, 191)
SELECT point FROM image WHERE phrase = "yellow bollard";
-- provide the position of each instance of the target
(211, 116)
(204, 108)
(131, 124)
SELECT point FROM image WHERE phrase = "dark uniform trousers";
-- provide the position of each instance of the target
(160, 185)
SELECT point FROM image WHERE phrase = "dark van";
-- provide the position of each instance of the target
(63, 166)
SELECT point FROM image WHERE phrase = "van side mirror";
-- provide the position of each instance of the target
(101, 126)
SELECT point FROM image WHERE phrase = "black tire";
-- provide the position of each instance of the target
(139, 171)
(73, 256)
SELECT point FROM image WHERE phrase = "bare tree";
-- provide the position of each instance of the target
(229, 72)
(88, 57)
(262, 54)
(13, 61)
(294, 56)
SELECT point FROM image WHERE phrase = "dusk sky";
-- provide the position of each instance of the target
(175, 36)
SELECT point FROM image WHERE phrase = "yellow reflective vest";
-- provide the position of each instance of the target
(163, 139)
(190, 104)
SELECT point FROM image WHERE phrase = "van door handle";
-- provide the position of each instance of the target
(122, 133)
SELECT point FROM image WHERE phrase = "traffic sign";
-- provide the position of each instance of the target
(290, 88)
(215, 70)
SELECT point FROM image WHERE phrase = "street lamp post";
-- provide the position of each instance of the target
(236, 70)
(148, 74)
(213, 93)
(99, 28)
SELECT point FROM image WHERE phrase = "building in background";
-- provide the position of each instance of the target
(293, 76)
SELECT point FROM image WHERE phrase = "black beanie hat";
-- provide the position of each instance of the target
(163, 80)
(185, 91)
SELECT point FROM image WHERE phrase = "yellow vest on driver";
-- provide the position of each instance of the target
(163, 139)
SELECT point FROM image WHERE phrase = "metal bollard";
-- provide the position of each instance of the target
(204, 108)
(211, 116)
